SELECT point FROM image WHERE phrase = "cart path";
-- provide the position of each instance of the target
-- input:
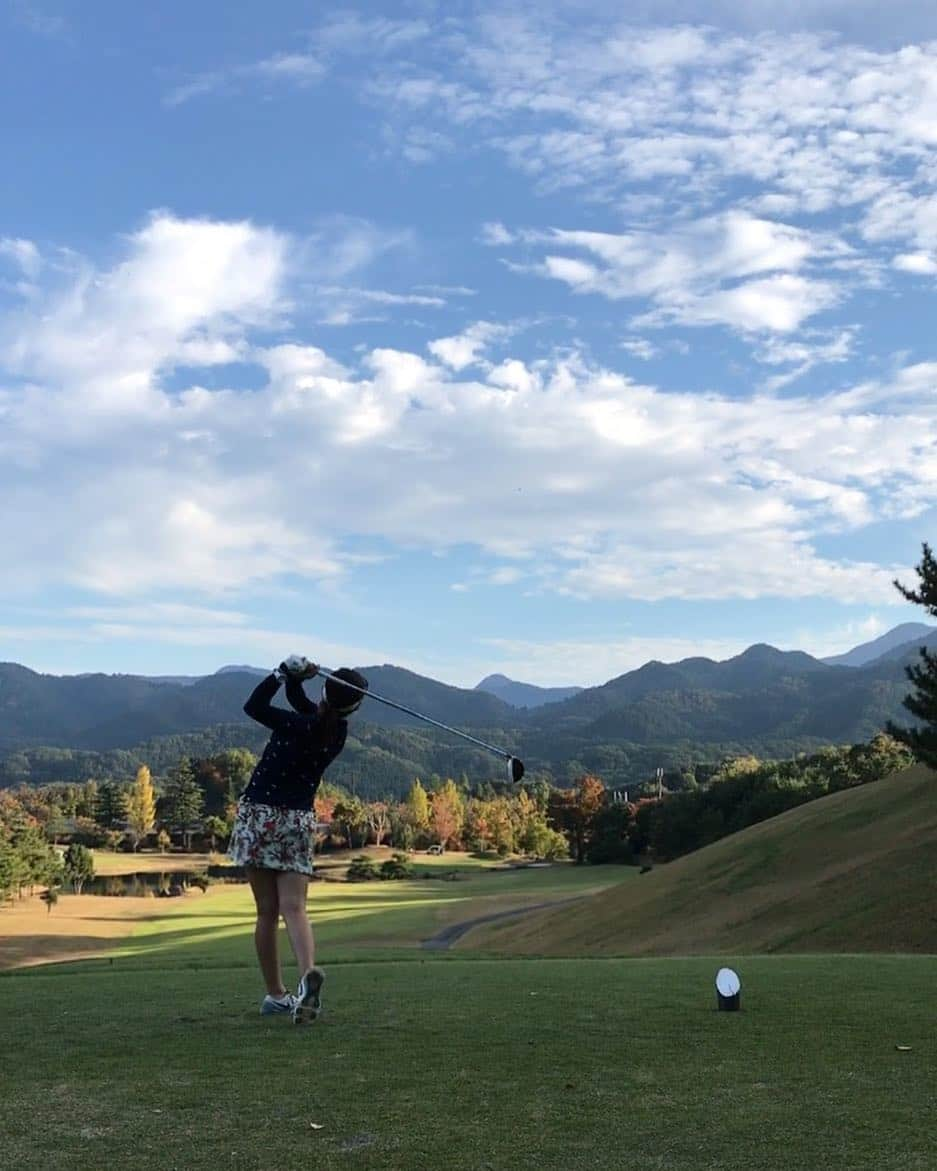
(444, 939)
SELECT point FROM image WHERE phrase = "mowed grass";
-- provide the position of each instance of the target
(84, 926)
(352, 920)
(852, 872)
(155, 1056)
(427, 1063)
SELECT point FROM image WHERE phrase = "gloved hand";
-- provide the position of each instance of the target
(297, 667)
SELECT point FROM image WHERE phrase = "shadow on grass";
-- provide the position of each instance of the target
(360, 921)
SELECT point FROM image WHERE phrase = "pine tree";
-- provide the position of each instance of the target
(140, 806)
(110, 806)
(183, 801)
(8, 866)
(923, 702)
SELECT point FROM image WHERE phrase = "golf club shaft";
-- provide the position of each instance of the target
(418, 715)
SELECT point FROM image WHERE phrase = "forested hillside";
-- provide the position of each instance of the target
(764, 702)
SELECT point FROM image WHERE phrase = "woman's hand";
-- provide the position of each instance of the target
(298, 667)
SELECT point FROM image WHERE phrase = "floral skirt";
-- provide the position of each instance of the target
(273, 838)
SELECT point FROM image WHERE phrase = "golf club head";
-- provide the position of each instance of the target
(515, 769)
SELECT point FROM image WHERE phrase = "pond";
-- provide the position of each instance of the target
(143, 884)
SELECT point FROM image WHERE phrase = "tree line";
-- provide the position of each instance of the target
(589, 821)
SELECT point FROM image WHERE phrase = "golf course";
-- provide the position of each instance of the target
(550, 1038)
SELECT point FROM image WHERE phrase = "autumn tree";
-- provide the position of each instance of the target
(447, 814)
(378, 818)
(534, 836)
(417, 807)
(328, 797)
(573, 812)
(351, 815)
(502, 831)
(140, 806)
(475, 831)
(922, 702)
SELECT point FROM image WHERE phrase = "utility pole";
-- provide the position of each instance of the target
(660, 783)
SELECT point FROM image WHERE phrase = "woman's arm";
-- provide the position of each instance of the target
(259, 707)
(298, 700)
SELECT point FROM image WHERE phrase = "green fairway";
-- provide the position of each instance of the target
(353, 921)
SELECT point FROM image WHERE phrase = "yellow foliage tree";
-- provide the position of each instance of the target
(447, 814)
(417, 806)
(140, 806)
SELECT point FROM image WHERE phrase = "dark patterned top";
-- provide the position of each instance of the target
(301, 748)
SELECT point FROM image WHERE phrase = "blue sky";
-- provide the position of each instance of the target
(461, 337)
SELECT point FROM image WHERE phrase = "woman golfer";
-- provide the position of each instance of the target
(273, 830)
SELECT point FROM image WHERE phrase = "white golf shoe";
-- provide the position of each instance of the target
(307, 1003)
(277, 1005)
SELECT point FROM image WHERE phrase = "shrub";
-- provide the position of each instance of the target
(397, 866)
(362, 869)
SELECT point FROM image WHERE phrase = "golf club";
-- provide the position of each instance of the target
(515, 766)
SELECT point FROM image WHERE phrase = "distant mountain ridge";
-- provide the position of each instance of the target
(764, 701)
(524, 695)
(897, 640)
(118, 711)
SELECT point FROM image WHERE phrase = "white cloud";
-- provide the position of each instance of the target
(920, 263)
(496, 234)
(101, 338)
(568, 476)
(841, 638)
(640, 347)
(803, 355)
(215, 632)
(699, 273)
(448, 290)
(382, 297)
(350, 32)
(341, 36)
(301, 69)
(778, 304)
(23, 253)
(789, 123)
(464, 349)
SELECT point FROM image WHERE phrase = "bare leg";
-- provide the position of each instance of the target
(264, 888)
(291, 892)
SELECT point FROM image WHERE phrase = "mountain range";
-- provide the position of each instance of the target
(768, 702)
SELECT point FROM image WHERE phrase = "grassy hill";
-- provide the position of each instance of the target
(852, 872)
